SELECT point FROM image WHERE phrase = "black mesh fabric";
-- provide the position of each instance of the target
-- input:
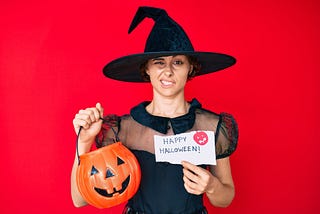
(161, 189)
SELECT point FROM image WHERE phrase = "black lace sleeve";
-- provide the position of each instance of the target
(226, 136)
(109, 130)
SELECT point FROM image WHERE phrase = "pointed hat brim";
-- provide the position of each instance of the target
(127, 68)
(165, 39)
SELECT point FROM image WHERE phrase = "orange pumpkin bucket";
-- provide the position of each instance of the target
(108, 176)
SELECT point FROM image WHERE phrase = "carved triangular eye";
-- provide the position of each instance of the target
(109, 174)
(120, 161)
(93, 171)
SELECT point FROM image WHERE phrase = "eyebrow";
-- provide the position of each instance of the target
(157, 58)
(162, 58)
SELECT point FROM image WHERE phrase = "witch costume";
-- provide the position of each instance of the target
(162, 189)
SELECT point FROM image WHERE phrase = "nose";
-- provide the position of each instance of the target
(168, 71)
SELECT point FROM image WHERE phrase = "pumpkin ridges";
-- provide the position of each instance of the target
(99, 158)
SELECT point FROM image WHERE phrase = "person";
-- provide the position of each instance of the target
(168, 63)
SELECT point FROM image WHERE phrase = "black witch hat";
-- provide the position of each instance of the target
(166, 38)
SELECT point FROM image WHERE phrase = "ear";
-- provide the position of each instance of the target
(190, 70)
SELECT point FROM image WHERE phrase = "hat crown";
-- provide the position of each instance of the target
(165, 39)
(166, 35)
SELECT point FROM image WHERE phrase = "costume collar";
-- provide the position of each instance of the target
(179, 124)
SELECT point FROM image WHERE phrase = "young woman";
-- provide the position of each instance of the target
(165, 187)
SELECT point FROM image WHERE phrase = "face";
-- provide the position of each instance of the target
(169, 74)
(108, 176)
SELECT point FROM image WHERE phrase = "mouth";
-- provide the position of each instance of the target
(104, 192)
(166, 83)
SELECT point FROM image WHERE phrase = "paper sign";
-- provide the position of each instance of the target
(197, 147)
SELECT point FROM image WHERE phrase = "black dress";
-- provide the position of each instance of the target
(161, 189)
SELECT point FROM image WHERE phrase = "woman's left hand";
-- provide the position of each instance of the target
(196, 179)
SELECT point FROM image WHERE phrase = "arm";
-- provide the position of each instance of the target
(77, 199)
(223, 191)
(91, 124)
(217, 184)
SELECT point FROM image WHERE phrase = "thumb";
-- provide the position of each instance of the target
(100, 108)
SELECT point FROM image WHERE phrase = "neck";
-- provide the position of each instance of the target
(168, 107)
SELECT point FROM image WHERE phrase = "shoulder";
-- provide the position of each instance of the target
(223, 120)
(224, 126)
(228, 125)
(205, 113)
(111, 126)
(227, 135)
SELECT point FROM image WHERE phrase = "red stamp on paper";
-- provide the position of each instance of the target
(201, 138)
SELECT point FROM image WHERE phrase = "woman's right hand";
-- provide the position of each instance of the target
(90, 121)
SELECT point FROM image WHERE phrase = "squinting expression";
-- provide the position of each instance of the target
(169, 74)
(177, 62)
(169, 70)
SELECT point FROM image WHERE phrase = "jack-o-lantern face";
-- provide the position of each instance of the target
(109, 173)
(200, 137)
(108, 176)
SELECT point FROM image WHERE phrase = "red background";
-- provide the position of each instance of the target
(51, 56)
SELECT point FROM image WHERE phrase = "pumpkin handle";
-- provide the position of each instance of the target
(77, 141)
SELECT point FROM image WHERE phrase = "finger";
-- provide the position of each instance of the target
(188, 165)
(78, 122)
(93, 113)
(195, 187)
(100, 109)
(190, 175)
(197, 175)
(190, 186)
(193, 168)
(188, 182)
(188, 189)
(85, 116)
(189, 171)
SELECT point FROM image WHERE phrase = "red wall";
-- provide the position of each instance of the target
(51, 56)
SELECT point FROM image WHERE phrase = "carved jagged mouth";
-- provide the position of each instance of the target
(104, 192)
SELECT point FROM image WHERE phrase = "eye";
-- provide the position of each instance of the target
(119, 161)
(94, 171)
(109, 174)
(159, 62)
(177, 62)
